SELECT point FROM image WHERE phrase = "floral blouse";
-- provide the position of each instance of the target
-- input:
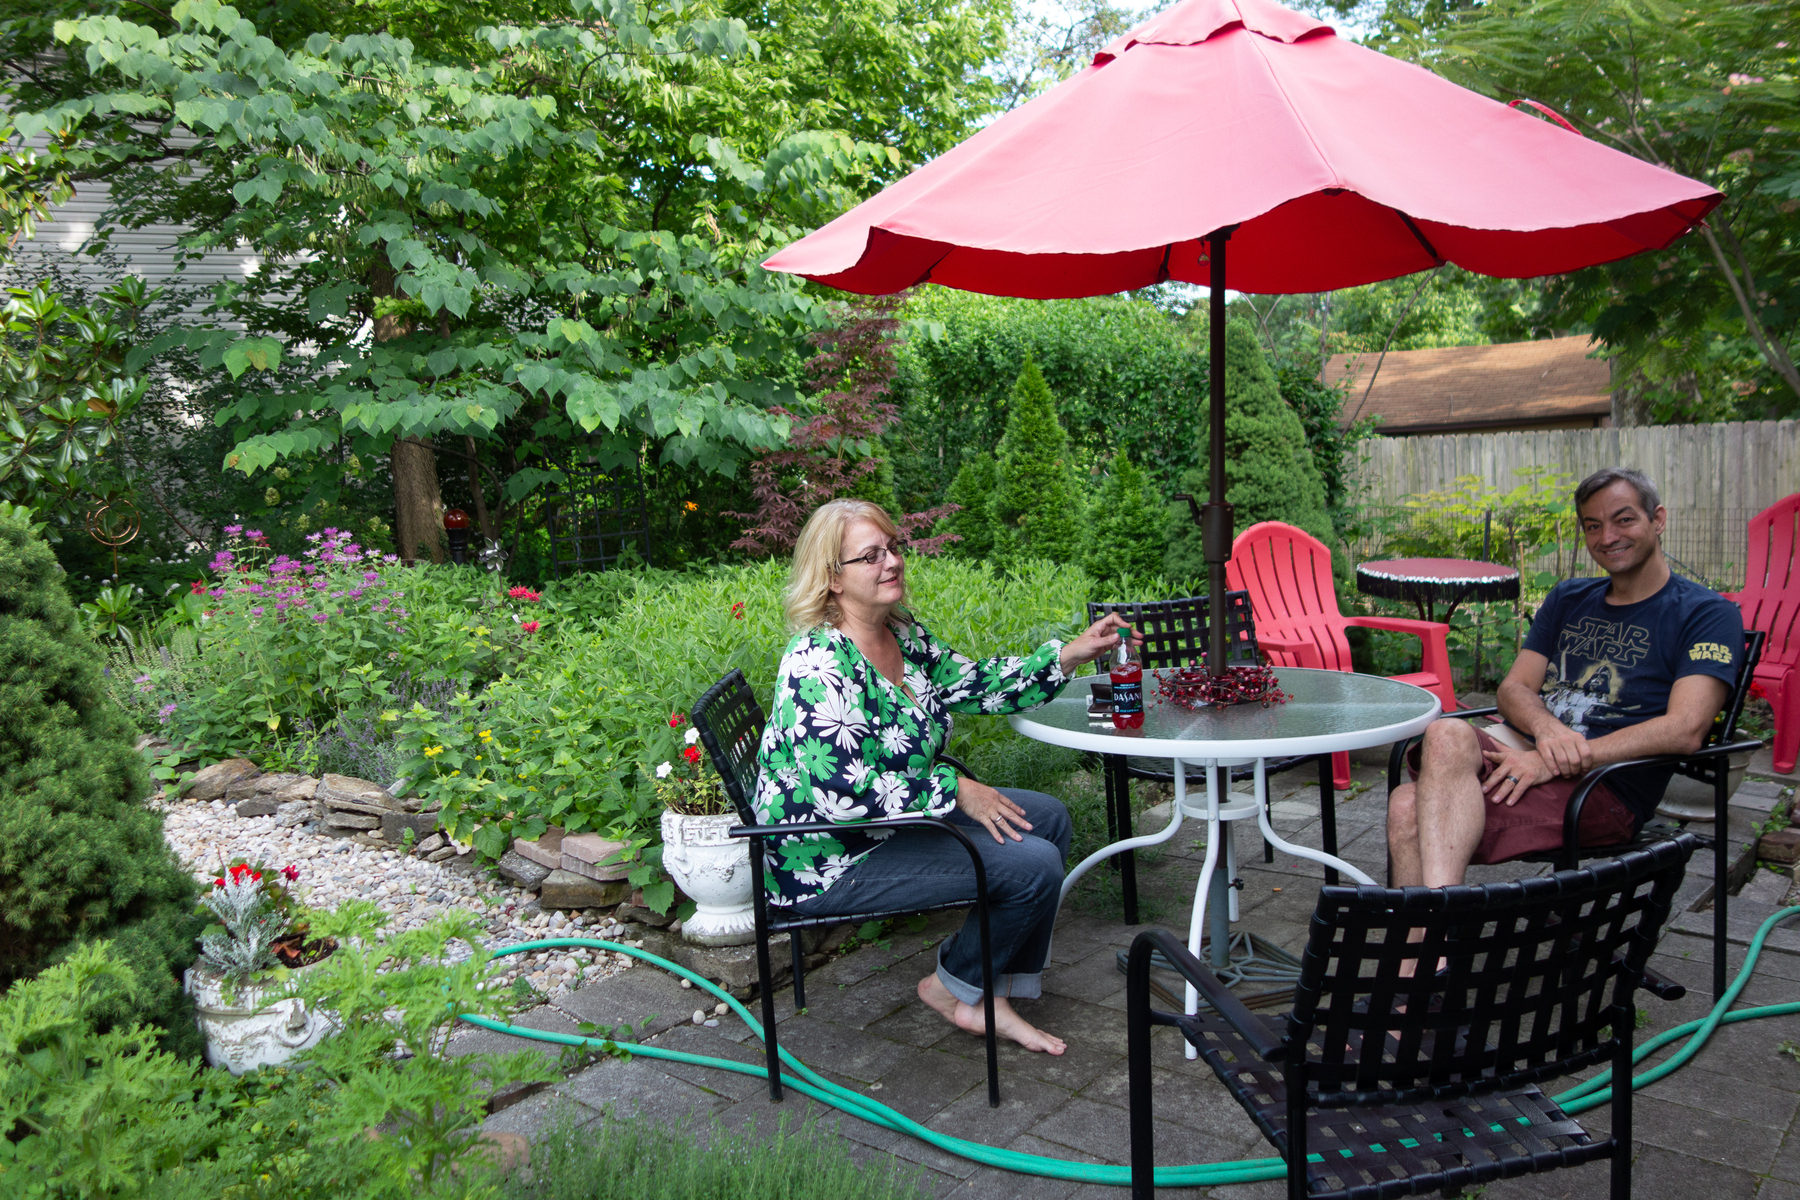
(845, 744)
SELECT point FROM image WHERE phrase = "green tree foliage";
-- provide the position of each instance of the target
(1269, 467)
(1125, 377)
(80, 856)
(551, 213)
(973, 489)
(1126, 533)
(1706, 88)
(1037, 506)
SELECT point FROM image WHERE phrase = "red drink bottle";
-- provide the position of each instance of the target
(1127, 684)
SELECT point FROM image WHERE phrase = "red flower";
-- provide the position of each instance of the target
(676, 720)
(291, 871)
(198, 587)
(525, 593)
(218, 883)
(737, 610)
(692, 754)
(530, 627)
(240, 870)
(1758, 691)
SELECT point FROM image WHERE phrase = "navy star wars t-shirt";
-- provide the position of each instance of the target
(1612, 665)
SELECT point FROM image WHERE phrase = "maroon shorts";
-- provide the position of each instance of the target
(1535, 823)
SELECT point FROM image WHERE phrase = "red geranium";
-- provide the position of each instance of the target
(692, 754)
(1758, 691)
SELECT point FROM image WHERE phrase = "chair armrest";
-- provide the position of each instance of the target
(1412, 625)
(1246, 1024)
(1578, 799)
(960, 767)
(1305, 650)
(929, 824)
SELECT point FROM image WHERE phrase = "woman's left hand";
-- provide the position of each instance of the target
(1099, 639)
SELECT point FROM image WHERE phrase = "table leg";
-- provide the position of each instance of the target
(1268, 831)
(1127, 858)
(1203, 889)
(1328, 814)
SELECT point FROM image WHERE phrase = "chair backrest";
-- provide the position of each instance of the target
(1524, 996)
(731, 723)
(1287, 572)
(1175, 631)
(1771, 595)
(1724, 726)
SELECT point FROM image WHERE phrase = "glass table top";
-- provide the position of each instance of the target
(1327, 710)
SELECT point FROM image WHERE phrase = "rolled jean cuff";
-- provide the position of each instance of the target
(1016, 987)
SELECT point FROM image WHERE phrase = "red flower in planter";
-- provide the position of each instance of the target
(692, 754)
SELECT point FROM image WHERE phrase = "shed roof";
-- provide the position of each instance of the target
(1522, 384)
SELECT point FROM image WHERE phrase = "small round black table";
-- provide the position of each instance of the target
(1428, 582)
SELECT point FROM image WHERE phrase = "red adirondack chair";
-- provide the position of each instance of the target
(1287, 572)
(1771, 603)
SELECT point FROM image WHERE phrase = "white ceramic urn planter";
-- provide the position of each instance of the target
(714, 871)
(250, 1030)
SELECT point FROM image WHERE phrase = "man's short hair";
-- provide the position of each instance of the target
(1607, 476)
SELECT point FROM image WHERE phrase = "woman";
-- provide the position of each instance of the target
(862, 707)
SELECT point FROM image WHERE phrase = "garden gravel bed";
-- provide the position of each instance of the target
(208, 835)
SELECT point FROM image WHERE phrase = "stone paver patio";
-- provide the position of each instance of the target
(1723, 1127)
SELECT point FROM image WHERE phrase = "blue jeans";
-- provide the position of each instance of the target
(1024, 881)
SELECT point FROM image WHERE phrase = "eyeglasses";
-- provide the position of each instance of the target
(875, 557)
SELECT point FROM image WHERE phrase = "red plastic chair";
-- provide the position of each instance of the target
(1771, 603)
(1287, 572)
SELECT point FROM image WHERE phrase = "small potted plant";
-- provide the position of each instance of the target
(711, 868)
(259, 935)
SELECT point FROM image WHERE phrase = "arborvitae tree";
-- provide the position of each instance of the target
(1268, 467)
(1126, 528)
(81, 857)
(973, 488)
(1037, 506)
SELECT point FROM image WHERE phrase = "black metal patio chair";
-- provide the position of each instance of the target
(730, 722)
(1378, 1084)
(1175, 635)
(1711, 764)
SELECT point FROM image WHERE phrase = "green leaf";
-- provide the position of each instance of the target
(259, 353)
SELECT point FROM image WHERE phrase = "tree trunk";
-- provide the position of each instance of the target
(418, 507)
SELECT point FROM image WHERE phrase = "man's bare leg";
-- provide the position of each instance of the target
(970, 1017)
(1435, 824)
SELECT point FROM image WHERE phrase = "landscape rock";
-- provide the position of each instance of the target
(566, 889)
(643, 916)
(293, 812)
(1782, 846)
(352, 820)
(213, 782)
(584, 854)
(439, 855)
(431, 841)
(545, 851)
(351, 794)
(152, 746)
(522, 872)
(395, 824)
(732, 967)
(256, 807)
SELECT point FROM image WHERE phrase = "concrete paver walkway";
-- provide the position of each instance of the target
(1724, 1127)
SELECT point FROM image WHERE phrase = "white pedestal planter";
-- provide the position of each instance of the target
(1694, 801)
(250, 1030)
(715, 871)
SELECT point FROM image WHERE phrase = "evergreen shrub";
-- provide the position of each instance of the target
(81, 857)
(1037, 510)
(1125, 529)
(972, 489)
(1268, 465)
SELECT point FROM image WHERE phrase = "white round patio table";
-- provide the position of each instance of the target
(1327, 711)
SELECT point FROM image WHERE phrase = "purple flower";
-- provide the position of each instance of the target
(165, 712)
(254, 534)
(390, 558)
(321, 617)
(257, 611)
(234, 529)
(356, 593)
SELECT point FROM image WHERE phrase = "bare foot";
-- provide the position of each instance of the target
(1008, 1024)
(933, 992)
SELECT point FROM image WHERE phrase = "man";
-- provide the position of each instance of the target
(1629, 666)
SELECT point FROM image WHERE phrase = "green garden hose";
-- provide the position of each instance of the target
(807, 1082)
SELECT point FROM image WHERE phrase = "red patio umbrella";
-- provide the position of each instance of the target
(1325, 165)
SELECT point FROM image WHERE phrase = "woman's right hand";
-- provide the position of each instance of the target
(990, 810)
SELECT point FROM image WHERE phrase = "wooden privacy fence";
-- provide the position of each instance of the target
(1700, 468)
(1713, 478)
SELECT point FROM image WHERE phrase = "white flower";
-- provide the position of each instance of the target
(693, 735)
(814, 662)
(835, 806)
(893, 739)
(836, 716)
(891, 792)
(662, 772)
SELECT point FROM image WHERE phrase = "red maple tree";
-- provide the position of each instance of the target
(830, 454)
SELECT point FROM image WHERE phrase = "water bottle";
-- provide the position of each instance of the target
(1127, 671)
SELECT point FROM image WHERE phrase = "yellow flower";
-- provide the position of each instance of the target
(456, 772)
(433, 751)
(691, 506)
(486, 735)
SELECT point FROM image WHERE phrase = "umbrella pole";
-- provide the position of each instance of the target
(1215, 514)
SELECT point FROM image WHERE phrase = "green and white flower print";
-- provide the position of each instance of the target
(845, 745)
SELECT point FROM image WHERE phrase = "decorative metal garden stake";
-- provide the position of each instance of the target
(115, 523)
(456, 525)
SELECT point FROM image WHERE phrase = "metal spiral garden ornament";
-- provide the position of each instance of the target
(115, 523)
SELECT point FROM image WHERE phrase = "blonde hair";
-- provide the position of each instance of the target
(808, 601)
